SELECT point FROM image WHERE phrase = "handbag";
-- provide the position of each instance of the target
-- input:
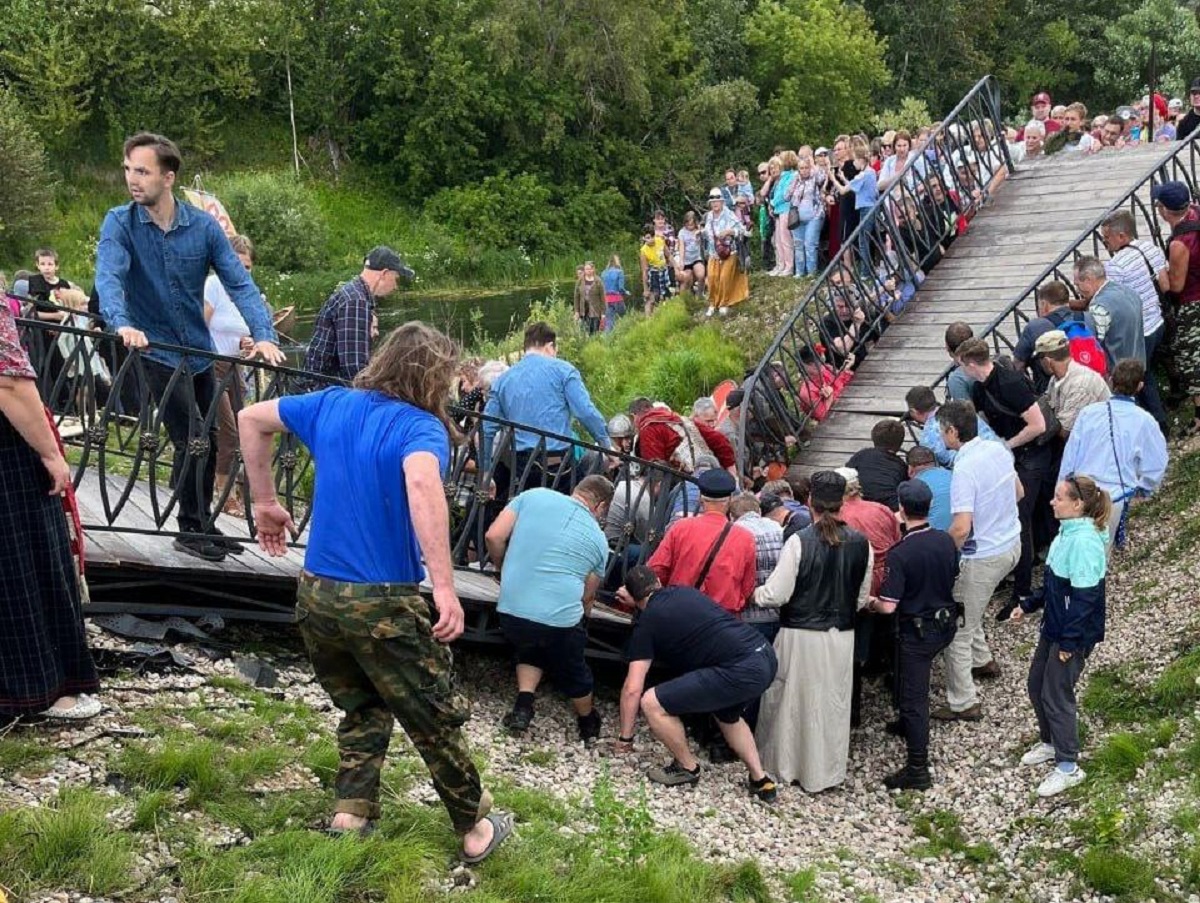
(724, 248)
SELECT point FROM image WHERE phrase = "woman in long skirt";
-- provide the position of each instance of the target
(728, 283)
(822, 579)
(45, 665)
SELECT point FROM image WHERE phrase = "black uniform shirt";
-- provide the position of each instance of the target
(1002, 398)
(684, 630)
(921, 571)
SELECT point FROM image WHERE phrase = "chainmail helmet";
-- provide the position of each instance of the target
(620, 427)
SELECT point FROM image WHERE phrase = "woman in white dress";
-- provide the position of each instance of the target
(822, 579)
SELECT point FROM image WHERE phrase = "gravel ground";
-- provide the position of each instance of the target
(859, 837)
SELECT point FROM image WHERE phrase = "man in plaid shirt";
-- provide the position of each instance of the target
(341, 340)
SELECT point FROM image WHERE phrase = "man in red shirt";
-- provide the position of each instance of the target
(1039, 106)
(662, 435)
(683, 557)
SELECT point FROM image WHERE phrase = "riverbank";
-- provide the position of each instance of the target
(195, 786)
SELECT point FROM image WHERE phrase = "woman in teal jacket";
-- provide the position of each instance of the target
(1073, 595)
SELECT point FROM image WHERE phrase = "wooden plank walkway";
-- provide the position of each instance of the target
(1034, 216)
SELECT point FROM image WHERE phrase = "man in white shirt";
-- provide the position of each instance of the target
(984, 492)
(1140, 264)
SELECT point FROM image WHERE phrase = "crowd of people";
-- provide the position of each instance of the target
(760, 605)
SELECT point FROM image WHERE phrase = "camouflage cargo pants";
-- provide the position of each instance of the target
(1187, 346)
(373, 651)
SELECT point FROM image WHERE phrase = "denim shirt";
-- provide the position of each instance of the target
(544, 393)
(153, 280)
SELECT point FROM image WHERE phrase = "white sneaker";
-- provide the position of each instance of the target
(1058, 781)
(1038, 754)
(709, 312)
(722, 311)
(85, 707)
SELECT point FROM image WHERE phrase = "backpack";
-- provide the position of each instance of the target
(1085, 347)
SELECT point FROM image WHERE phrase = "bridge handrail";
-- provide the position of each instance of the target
(896, 234)
(114, 425)
(1167, 168)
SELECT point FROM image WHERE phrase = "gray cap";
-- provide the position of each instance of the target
(384, 258)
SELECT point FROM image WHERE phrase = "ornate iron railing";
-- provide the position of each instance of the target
(1179, 163)
(108, 403)
(867, 285)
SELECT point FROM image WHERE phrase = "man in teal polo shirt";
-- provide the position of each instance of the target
(551, 554)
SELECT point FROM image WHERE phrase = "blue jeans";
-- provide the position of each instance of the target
(612, 313)
(806, 238)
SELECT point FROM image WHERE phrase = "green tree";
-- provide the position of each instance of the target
(26, 188)
(818, 65)
(1123, 69)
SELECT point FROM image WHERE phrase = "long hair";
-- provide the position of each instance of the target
(1097, 504)
(829, 526)
(416, 363)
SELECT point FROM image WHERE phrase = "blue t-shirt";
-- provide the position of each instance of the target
(865, 186)
(938, 481)
(361, 529)
(555, 544)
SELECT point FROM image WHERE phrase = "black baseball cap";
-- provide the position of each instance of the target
(915, 497)
(384, 258)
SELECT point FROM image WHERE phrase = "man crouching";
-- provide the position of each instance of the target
(380, 449)
(721, 665)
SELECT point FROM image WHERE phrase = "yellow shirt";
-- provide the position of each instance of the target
(655, 254)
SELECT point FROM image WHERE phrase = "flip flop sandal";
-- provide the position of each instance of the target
(502, 824)
(365, 831)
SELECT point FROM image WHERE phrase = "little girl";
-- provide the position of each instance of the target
(1071, 627)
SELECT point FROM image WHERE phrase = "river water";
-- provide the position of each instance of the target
(500, 312)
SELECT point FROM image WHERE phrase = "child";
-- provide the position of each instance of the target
(615, 292)
(1071, 628)
(655, 278)
(45, 285)
(744, 188)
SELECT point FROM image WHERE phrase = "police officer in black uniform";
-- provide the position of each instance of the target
(919, 587)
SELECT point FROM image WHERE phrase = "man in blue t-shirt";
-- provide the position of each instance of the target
(379, 451)
(722, 666)
(551, 554)
(923, 466)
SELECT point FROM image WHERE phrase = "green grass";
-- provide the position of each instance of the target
(1116, 874)
(20, 751)
(802, 886)
(69, 843)
(944, 835)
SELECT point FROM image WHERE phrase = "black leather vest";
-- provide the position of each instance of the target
(827, 583)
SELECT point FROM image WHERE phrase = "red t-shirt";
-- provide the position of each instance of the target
(680, 556)
(879, 525)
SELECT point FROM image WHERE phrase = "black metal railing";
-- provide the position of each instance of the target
(110, 405)
(1179, 163)
(878, 269)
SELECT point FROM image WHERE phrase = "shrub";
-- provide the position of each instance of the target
(501, 212)
(281, 215)
(26, 190)
(1115, 874)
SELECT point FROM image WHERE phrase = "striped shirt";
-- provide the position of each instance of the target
(1129, 267)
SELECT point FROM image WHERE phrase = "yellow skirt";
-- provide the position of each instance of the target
(728, 284)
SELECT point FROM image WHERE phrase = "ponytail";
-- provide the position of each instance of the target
(825, 519)
(1097, 504)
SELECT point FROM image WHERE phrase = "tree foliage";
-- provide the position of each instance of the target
(818, 64)
(1176, 38)
(25, 182)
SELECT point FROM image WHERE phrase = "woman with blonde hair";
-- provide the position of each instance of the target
(1073, 596)
(785, 165)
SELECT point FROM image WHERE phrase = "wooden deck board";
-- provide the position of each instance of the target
(1035, 214)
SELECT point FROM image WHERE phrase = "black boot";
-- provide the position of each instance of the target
(913, 776)
(589, 727)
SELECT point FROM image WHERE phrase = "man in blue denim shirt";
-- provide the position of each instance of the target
(543, 392)
(922, 409)
(151, 263)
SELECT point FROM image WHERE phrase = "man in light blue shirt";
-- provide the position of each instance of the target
(923, 408)
(151, 263)
(922, 466)
(542, 392)
(551, 554)
(1119, 445)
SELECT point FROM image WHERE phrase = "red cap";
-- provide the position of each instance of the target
(1041, 97)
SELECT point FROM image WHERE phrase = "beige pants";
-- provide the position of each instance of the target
(973, 590)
